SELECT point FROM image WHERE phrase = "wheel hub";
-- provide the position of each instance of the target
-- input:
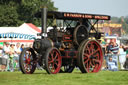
(82, 35)
(91, 57)
(54, 60)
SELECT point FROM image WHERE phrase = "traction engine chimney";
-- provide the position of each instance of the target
(44, 22)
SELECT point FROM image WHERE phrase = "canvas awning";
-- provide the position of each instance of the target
(17, 35)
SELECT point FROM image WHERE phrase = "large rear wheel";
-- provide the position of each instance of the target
(53, 60)
(90, 56)
(27, 61)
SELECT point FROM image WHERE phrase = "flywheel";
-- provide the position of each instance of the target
(80, 33)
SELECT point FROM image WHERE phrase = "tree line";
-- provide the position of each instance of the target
(16, 12)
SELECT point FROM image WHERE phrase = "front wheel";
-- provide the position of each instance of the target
(53, 60)
(27, 61)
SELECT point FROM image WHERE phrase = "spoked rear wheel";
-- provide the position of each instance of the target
(27, 61)
(90, 56)
(53, 60)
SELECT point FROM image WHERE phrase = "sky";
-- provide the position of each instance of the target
(115, 8)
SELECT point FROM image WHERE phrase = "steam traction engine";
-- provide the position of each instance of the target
(61, 49)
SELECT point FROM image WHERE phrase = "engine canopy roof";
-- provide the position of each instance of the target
(73, 15)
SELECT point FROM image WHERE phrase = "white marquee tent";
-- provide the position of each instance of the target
(26, 33)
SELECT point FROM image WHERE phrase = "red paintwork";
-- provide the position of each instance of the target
(34, 27)
(67, 38)
(54, 61)
(27, 63)
(92, 49)
(67, 54)
(16, 40)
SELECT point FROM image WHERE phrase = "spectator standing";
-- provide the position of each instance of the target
(126, 62)
(11, 55)
(22, 47)
(2, 60)
(108, 51)
(122, 57)
(6, 51)
(1, 51)
(17, 54)
(115, 51)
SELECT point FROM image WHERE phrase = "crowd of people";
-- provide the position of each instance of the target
(116, 56)
(9, 54)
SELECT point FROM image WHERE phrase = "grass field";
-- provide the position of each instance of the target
(75, 78)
